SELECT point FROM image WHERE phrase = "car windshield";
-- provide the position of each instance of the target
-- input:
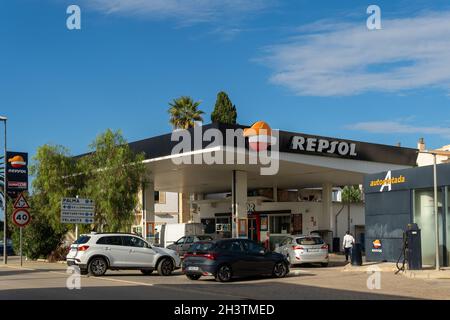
(202, 247)
(82, 240)
(310, 241)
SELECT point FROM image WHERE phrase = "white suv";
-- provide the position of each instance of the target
(97, 253)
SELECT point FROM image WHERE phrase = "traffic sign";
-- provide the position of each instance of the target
(77, 211)
(21, 203)
(21, 217)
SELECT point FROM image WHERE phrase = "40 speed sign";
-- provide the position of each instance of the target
(21, 218)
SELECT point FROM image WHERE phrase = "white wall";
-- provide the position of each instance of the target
(357, 215)
(171, 204)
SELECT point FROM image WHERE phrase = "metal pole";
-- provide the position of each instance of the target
(436, 213)
(76, 229)
(21, 252)
(5, 205)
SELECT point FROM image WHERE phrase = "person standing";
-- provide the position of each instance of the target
(348, 244)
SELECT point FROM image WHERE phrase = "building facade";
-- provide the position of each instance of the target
(241, 199)
(394, 199)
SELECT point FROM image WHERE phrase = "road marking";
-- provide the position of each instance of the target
(124, 281)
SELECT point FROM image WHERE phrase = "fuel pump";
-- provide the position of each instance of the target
(412, 249)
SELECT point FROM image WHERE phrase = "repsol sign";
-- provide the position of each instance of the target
(321, 145)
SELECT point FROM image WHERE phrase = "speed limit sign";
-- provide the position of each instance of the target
(21, 218)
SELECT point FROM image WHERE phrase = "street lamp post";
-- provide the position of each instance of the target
(5, 203)
(436, 217)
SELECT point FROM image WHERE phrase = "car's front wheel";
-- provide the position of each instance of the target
(98, 267)
(224, 274)
(165, 267)
(193, 277)
(280, 270)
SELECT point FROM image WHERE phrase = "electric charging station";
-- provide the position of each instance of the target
(413, 253)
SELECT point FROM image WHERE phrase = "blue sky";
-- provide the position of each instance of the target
(306, 66)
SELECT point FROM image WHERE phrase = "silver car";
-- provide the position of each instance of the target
(305, 249)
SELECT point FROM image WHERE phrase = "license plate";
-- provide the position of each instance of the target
(193, 269)
(313, 250)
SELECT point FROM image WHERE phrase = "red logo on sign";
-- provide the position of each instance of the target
(17, 162)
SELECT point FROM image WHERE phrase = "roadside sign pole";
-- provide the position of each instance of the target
(76, 226)
(21, 249)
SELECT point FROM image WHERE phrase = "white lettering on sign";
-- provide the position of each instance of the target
(77, 211)
(387, 183)
(323, 146)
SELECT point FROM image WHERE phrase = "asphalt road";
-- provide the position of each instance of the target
(41, 281)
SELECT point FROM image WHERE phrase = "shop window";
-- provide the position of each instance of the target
(448, 224)
(210, 225)
(280, 224)
(425, 218)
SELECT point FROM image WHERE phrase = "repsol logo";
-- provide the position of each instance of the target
(323, 146)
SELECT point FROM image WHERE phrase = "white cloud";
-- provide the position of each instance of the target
(391, 127)
(182, 11)
(347, 59)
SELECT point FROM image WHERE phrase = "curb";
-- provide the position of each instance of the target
(47, 261)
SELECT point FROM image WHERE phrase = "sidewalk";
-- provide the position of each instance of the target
(426, 274)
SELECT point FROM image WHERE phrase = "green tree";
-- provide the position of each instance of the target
(224, 111)
(55, 177)
(40, 239)
(351, 194)
(184, 113)
(113, 175)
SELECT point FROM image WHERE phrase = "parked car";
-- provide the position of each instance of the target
(184, 244)
(9, 248)
(97, 253)
(228, 259)
(305, 249)
(171, 233)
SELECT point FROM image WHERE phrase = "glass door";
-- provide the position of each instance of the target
(424, 216)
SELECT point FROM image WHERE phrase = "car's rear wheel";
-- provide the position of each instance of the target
(193, 277)
(165, 267)
(147, 272)
(98, 267)
(224, 274)
(280, 270)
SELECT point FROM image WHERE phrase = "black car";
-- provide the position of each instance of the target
(227, 259)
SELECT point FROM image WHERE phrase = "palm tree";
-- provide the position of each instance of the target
(184, 113)
(351, 194)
